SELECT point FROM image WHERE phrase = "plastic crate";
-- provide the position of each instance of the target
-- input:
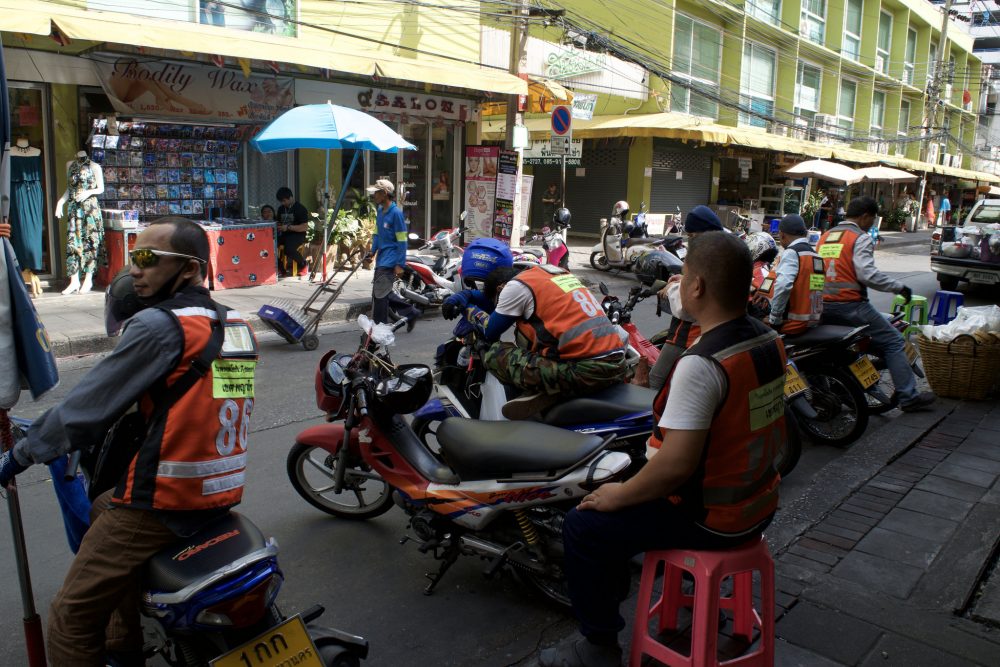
(282, 321)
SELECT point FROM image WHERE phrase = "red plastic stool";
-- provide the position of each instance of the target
(709, 569)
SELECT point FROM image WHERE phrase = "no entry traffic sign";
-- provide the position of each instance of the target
(562, 120)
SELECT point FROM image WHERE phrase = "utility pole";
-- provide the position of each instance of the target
(518, 37)
(933, 101)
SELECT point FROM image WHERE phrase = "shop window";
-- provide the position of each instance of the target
(443, 183)
(883, 43)
(807, 88)
(845, 108)
(852, 29)
(909, 58)
(757, 85)
(412, 195)
(813, 20)
(878, 115)
(273, 17)
(697, 58)
(768, 11)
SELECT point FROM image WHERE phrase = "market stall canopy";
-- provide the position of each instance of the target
(882, 174)
(691, 128)
(39, 18)
(328, 127)
(827, 171)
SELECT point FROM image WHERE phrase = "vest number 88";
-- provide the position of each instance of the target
(234, 424)
(587, 302)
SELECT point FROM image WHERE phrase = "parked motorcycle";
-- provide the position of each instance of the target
(212, 597)
(498, 491)
(551, 238)
(837, 374)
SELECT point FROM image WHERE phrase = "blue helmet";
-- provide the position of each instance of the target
(482, 256)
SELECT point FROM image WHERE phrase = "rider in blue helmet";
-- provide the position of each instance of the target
(565, 345)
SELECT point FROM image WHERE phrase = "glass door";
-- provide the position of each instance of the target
(443, 178)
(31, 218)
(414, 190)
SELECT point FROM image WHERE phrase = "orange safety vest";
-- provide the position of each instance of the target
(735, 487)
(195, 457)
(682, 333)
(805, 302)
(568, 322)
(836, 247)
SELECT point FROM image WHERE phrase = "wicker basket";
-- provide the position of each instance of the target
(966, 368)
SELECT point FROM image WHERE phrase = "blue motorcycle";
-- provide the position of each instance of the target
(466, 389)
(212, 596)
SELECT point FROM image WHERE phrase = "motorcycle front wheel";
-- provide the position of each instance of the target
(599, 261)
(788, 456)
(311, 471)
(840, 405)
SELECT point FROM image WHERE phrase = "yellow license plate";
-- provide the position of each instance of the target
(911, 351)
(794, 384)
(865, 372)
(287, 644)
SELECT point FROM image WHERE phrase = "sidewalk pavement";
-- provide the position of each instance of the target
(890, 557)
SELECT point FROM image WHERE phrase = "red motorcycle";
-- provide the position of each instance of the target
(496, 490)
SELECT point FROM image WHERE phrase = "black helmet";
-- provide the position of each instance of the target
(405, 390)
(120, 302)
(561, 217)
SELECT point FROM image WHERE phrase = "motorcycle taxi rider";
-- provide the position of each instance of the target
(566, 345)
(192, 382)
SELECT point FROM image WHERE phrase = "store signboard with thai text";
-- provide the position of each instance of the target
(540, 153)
(164, 88)
(583, 106)
(384, 101)
(506, 193)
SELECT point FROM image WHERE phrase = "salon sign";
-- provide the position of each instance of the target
(174, 89)
(384, 100)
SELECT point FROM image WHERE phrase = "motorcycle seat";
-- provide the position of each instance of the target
(821, 335)
(479, 450)
(193, 558)
(537, 252)
(421, 259)
(620, 400)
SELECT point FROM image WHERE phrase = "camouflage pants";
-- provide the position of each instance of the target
(535, 373)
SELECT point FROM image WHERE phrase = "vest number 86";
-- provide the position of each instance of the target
(234, 424)
(587, 302)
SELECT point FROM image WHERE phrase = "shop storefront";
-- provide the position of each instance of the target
(428, 179)
(682, 176)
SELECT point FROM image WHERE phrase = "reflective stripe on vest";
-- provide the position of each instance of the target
(195, 458)
(736, 486)
(568, 322)
(836, 247)
(805, 300)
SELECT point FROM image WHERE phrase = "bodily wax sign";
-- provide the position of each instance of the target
(232, 378)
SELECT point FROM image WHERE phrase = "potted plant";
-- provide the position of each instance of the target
(811, 206)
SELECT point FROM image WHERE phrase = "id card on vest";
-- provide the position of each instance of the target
(233, 373)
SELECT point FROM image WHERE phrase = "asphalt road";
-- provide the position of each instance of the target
(369, 584)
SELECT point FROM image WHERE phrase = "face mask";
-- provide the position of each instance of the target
(676, 305)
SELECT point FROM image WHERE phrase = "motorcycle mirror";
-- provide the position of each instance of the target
(603, 288)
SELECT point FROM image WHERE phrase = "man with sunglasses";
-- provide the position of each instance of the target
(180, 384)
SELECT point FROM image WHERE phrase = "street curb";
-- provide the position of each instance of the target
(841, 477)
(79, 346)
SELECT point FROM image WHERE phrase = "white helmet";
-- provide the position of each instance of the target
(620, 210)
(759, 244)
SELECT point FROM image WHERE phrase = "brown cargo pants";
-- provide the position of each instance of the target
(97, 609)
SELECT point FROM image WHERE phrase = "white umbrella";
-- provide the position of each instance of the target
(827, 171)
(882, 174)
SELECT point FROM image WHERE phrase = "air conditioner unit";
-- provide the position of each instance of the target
(879, 64)
(956, 161)
(932, 153)
(946, 160)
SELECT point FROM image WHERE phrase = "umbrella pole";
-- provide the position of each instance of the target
(32, 621)
(326, 207)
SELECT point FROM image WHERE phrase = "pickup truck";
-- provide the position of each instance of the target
(969, 251)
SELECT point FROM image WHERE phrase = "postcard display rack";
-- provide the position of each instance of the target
(158, 169)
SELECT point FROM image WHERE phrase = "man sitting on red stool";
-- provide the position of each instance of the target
(711, 483)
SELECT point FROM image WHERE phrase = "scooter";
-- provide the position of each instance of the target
(618, 249)
(440, 252)
(497, 491)
(212, 596)
(556, 252)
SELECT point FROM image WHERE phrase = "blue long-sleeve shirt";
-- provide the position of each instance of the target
(390, 237)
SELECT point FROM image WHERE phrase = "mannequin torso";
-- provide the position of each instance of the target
(24, 149)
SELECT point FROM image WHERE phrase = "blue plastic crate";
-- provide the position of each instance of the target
(279, 320)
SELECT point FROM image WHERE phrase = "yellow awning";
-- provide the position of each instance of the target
(690, 128)
(119, 28)
(25, 20)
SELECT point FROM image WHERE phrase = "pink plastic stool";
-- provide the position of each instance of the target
(709, 568)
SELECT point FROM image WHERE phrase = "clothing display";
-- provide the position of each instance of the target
(26, 209)
(85, 230)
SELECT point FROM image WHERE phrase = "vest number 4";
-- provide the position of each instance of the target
(234, 424)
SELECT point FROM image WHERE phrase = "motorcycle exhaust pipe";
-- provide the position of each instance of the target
(491, 549)
(414, 297)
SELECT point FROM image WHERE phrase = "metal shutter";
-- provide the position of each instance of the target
(591, 197)
(693, 189)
